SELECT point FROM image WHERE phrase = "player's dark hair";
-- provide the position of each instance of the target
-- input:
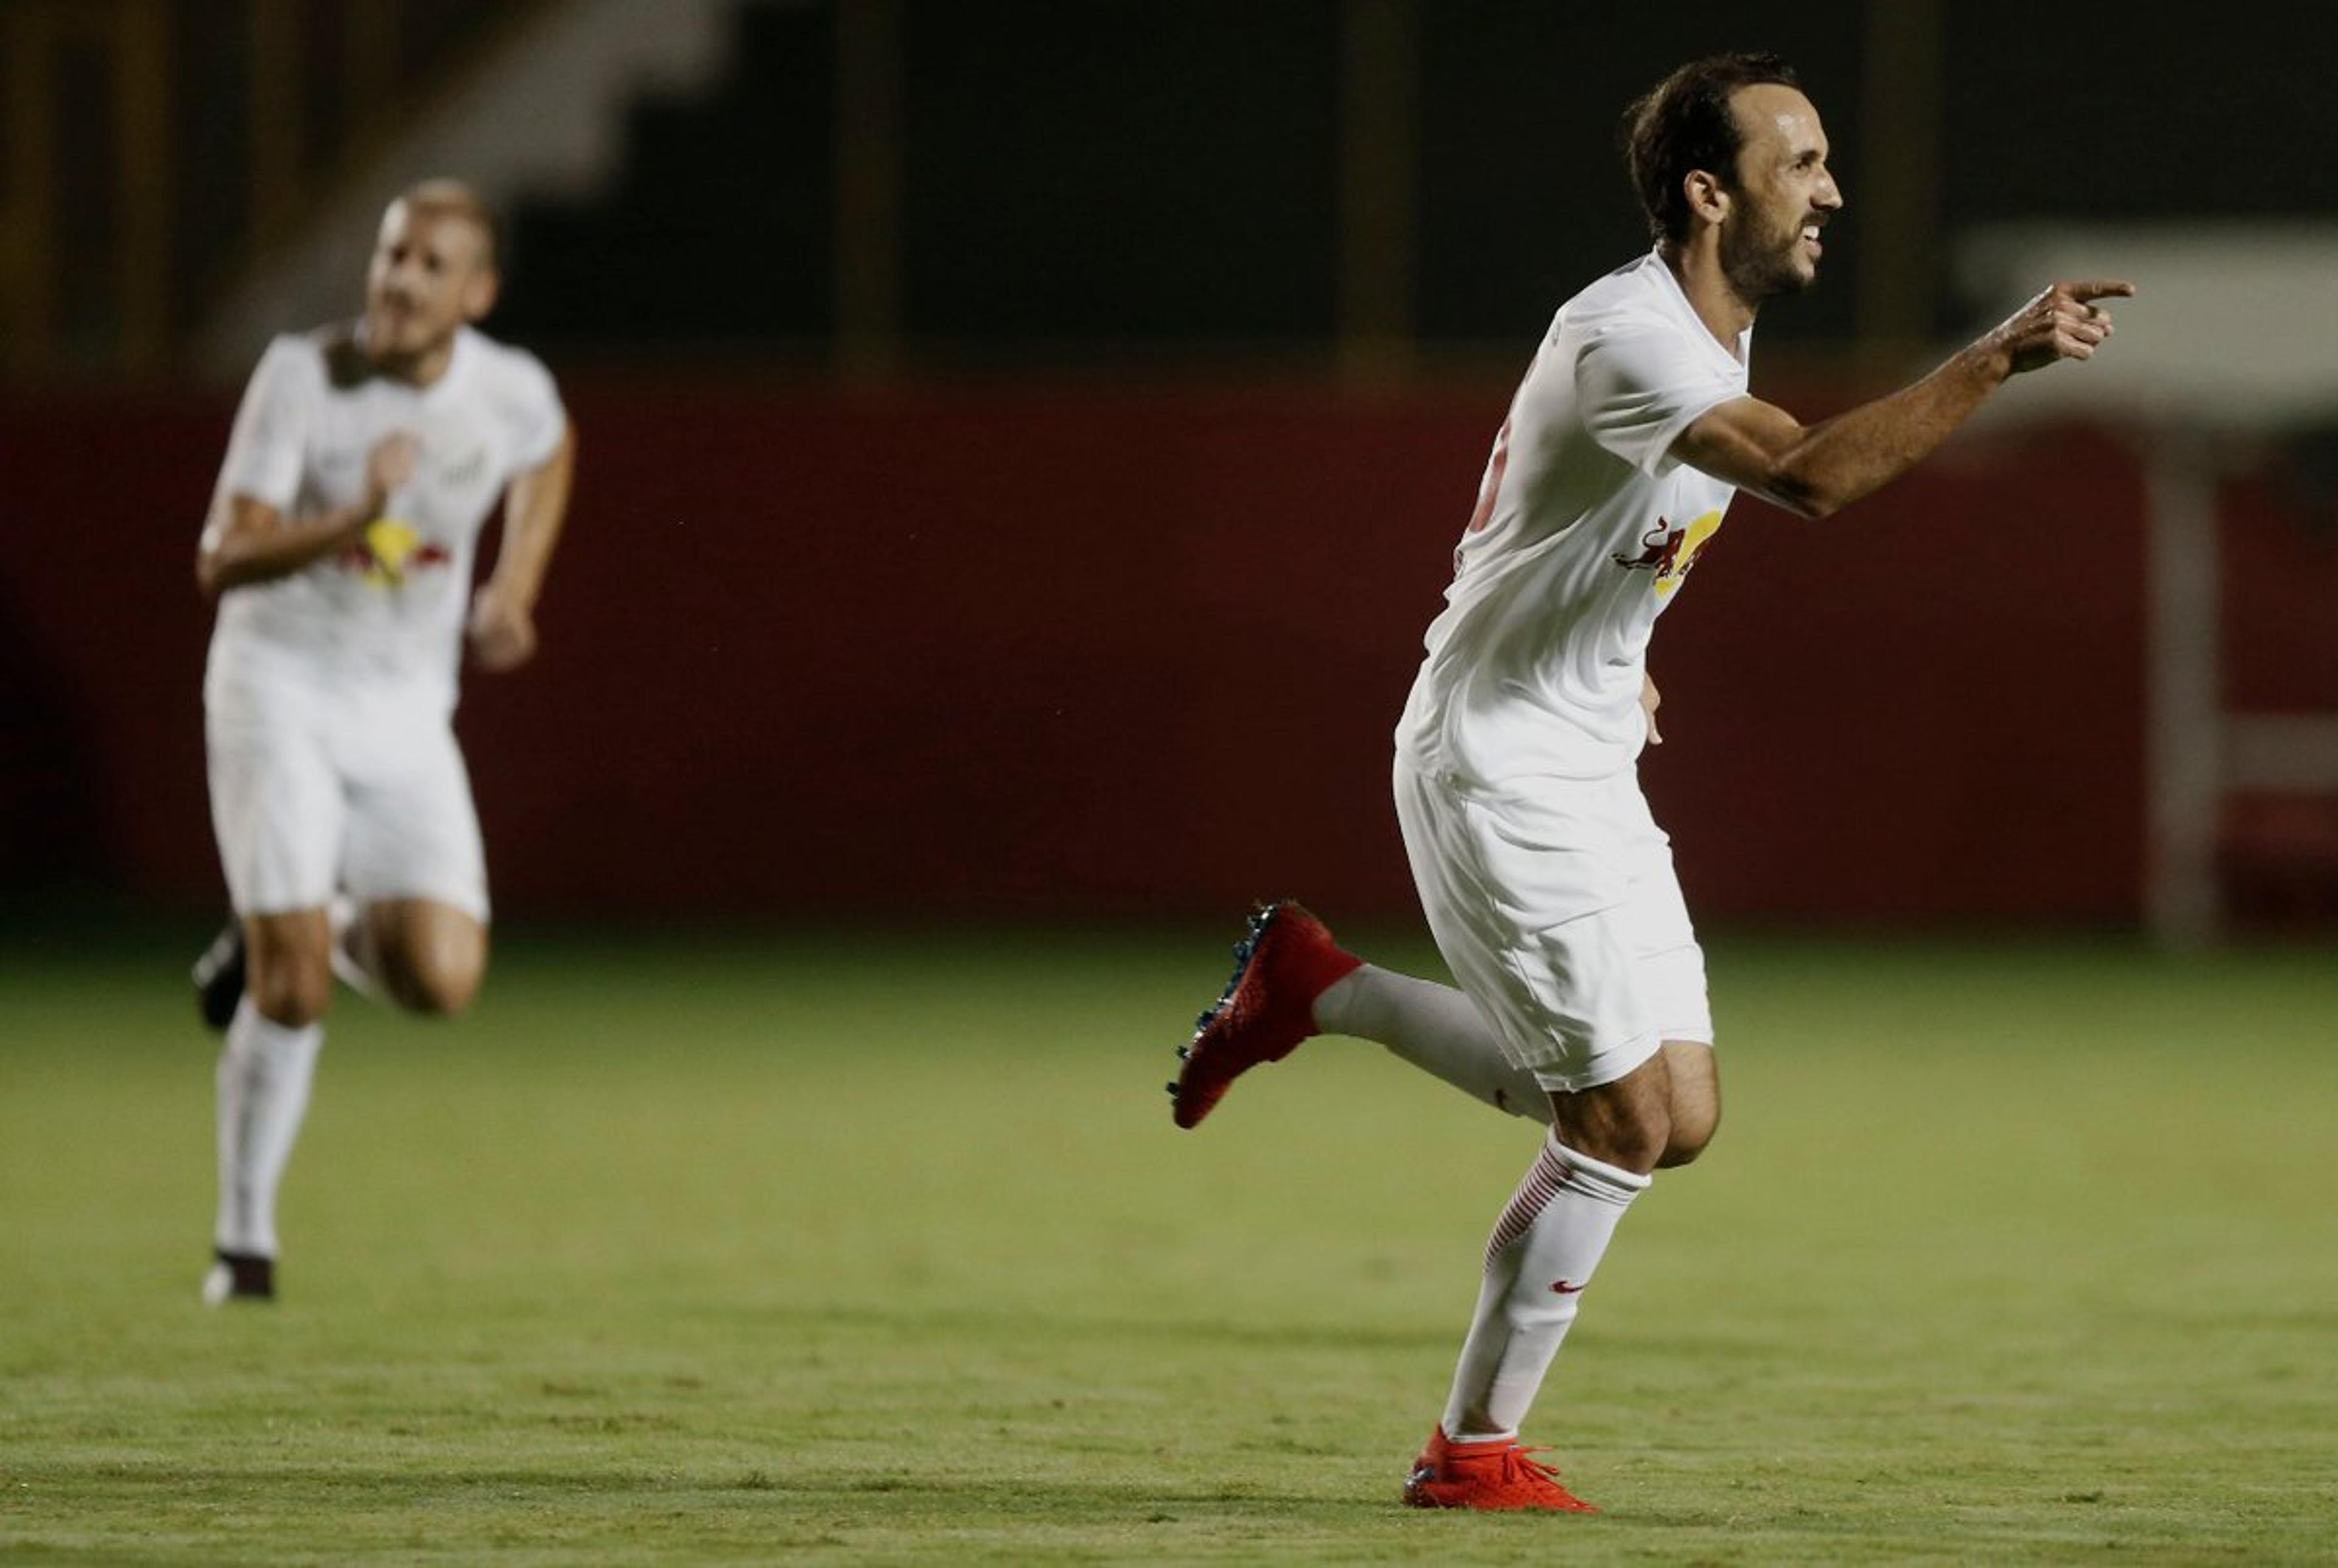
(1683, 124)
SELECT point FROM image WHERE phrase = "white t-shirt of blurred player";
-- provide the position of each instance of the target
(383, 620)
(1585, 528)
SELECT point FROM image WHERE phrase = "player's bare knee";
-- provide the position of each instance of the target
(288, 970)
(1640, 1148)
(292, 995)
(1633, 1138)
(1626, 1123)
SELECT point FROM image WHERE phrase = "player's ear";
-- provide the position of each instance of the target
(1708, 198)
(479, 293)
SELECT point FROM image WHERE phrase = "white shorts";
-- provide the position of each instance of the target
(308, 802)
(1559, 914)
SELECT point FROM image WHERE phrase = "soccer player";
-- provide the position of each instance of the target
(364, 461)
(1548, 887)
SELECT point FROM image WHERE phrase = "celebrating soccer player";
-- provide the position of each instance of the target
(364, 462)
(1547, 883)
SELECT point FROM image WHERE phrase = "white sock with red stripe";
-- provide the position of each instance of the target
(1543, 1252)
(264, 1074)
(1436, 1028)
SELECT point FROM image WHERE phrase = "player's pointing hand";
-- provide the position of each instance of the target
(2063, 322)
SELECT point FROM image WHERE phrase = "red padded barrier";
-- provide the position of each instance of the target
(999, 649)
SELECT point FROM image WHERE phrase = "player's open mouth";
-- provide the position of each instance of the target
(1811, 238)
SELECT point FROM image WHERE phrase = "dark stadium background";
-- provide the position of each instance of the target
(1021, 445)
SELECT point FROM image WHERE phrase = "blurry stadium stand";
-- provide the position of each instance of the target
(2227, 370)
(542, 111)
(156, 150)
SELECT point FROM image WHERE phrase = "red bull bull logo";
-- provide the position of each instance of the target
(1669, 551)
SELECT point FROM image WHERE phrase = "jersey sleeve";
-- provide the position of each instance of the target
(1640, 383)
(537, 417)
(264, 449)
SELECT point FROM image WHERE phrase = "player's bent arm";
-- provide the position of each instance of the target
(535, 508)
(246, 540)
(1817, 469)
(503, 613)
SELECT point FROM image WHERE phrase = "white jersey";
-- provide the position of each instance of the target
(383, 619)
(1584, 527)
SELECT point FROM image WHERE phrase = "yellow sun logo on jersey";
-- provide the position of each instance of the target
(391, 548)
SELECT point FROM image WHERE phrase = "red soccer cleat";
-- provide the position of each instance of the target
(1268, 1008)
(1491, 1475)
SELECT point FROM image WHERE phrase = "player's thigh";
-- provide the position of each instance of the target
(1670, 963)
(278, 811)
(1527, 898)
(1667, 959)
(433, 957)
(413, 832)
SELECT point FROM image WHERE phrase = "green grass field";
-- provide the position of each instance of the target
(865, 1249)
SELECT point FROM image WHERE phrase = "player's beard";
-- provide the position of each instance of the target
(399, 336)
(1761, 265)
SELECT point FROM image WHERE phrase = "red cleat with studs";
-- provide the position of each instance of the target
(1281, 966)
(1496, 1474)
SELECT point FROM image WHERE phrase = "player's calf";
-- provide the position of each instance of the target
(1687, 1141)
(1695, 1101)
(433, 957)
(434, 988)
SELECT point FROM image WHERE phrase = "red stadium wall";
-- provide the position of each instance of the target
(983, 651)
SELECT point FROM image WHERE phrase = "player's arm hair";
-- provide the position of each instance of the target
(1815, 470)
(246, 540)
(535, 507)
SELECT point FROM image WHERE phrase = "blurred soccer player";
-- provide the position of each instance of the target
(1548, 887)
(364, 461)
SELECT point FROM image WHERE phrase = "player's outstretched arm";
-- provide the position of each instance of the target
(246, 540)
(1815, 470)
(503, 613)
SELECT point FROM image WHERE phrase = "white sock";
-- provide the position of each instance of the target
(1543, 1252)
(356, 963)
(264, 1074)
(1436, 1028)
